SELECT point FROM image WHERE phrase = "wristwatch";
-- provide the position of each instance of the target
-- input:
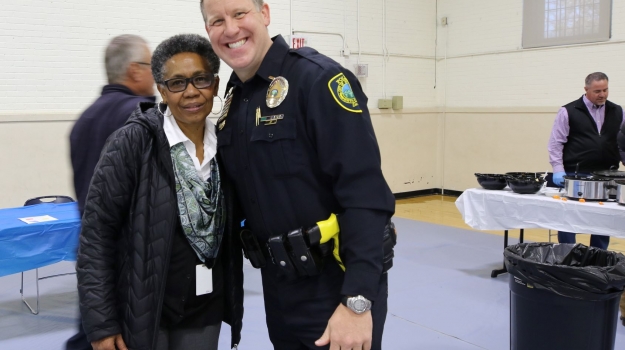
(358, 304)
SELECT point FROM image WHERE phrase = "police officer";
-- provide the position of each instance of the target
(297, 141)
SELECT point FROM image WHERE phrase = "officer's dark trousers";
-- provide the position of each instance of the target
(298, 311)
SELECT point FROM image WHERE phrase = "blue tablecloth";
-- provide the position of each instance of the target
(28, 246)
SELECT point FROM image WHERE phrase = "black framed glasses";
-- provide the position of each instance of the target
(201, 81)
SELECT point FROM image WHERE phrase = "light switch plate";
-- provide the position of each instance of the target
(385, 103)
(398, 102)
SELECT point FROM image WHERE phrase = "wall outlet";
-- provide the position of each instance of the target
(385, 103)
(398, 102)
(444, 21)
(361, 70)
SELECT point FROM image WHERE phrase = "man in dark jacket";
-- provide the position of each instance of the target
(127, 60)
(584, 139)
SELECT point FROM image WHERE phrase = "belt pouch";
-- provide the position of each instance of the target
(307, 260)
(252, 249)
(280, 255)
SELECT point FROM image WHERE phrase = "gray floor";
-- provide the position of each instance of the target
(441, 297)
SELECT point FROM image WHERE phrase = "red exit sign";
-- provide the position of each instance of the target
(298, 41)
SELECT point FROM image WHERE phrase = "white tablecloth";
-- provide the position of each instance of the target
(502, 210)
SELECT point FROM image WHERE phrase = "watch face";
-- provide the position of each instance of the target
(360, 305)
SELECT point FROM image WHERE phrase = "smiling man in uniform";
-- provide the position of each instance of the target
(297, 141)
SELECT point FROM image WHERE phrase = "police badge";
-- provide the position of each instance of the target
(276, 93)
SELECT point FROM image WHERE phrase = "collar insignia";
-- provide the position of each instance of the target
(221, 122)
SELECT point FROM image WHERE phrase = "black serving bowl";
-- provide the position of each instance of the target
(525, 185)
(525, 175)
(491, 181)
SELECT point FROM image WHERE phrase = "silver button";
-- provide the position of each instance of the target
(304, 258)
(282, 263)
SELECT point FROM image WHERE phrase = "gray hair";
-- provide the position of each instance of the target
(182, 43)
(121, 51)
(596, 76)
(258, 3)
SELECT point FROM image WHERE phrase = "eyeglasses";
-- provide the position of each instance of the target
(143, 63)
(202, 81)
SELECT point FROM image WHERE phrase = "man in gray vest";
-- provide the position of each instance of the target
(584, 139)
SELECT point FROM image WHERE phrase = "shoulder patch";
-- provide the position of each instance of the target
(343, 93)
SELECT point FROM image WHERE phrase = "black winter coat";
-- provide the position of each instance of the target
(130, 218)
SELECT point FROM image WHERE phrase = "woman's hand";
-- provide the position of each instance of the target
(114, 342)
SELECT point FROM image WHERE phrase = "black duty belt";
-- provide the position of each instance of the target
(301, 253)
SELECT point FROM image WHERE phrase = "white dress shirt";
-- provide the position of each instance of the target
(175, 136)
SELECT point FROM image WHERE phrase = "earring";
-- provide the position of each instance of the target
(222, 105)
(162, 107)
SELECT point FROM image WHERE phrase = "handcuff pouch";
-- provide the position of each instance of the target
(252, 249)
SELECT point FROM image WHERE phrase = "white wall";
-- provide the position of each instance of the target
(52, 52)
(51, 64)
(500, 99)
(474, 100)
(486, 66)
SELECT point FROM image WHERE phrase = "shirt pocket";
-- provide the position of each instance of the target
(278, 142)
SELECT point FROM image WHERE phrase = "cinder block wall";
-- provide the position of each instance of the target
(474, 100)
(500, 99)
(52, 68)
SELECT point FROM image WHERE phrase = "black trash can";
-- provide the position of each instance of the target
(563, 296)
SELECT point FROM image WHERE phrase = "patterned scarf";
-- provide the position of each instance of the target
(200, 204)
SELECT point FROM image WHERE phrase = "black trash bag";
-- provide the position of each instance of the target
(571, 270)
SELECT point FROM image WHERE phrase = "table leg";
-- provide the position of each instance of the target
(498, 272)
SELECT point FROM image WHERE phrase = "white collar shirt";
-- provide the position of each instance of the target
(596, 111)
(175, 136)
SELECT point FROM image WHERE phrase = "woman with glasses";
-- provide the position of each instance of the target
(159, 263)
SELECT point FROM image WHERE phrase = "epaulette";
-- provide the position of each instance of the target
(314, 56)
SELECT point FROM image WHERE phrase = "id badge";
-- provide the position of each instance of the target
(203, 280)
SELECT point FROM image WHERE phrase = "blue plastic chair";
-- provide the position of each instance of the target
(35, 201)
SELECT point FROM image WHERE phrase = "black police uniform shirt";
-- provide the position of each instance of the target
(319, 157)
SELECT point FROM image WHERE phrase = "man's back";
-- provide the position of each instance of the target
(107, 114)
